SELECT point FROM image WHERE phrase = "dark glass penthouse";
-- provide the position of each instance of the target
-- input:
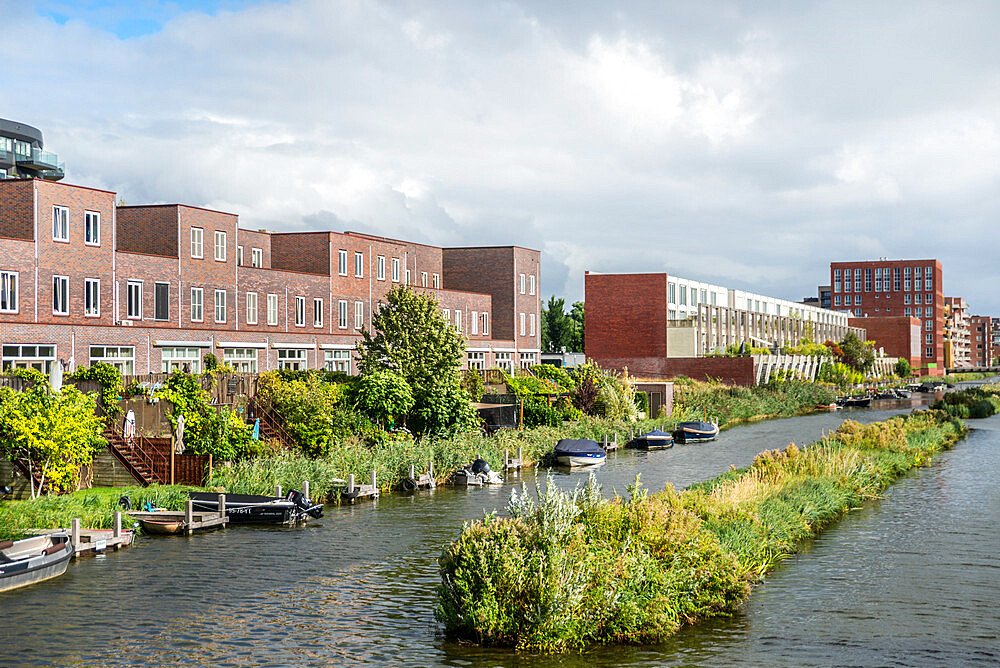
(22, 153)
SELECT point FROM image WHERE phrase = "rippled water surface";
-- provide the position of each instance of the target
(911, 580)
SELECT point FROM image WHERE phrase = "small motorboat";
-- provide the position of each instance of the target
(260, 509)
(579, 452)
(828, 407)
(476, 474)
(695, 431)
(902, 393)
(25, 562)
(854, 402)
(654, 440)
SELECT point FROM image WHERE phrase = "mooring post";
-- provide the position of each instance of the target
(350, 484)
(506, 459)
(616, 440)
(117, 533)
(412, 473)
(75, 532)
(222, 505)
(188, 516)
(277, 490)
(430, 468)
(520, 458)
(305, 488)
(605, 441)
(373, 481)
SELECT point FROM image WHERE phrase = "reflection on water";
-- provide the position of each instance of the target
(912, 579)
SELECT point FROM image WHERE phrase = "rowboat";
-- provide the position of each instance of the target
(162, 527)
(25, 562)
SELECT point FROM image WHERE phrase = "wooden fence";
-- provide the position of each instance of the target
(224, 388)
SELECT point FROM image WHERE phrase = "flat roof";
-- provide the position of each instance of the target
(186, 206)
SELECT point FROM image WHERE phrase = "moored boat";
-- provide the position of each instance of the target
(25, 562)
(854, 402)
(829, 407)
(654, 440)
(579, 452)
(695, 431)
(260, 509)
(476, 474)
(162, 527)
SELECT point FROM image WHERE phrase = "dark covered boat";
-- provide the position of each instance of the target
(695, 431)
(579, 452)
(654, 440)
(25, 562)
(259, 509)
(854, 402)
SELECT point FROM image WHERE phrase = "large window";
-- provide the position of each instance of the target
(359, 315)
(380, 268)
(293, 358)
(220, 246)
(241, 360)
(521, 283)
(527, 360)
(476, 360)
(272, 309)
(342, 262)
(120, 357)
(252, 309)
(505, 362)
(133, 300)
(395, 270)
(60, 223)
(486, 322)
(161, 301)
(197, 304)
(197, 242)
(338, 360)
(359, 265)
(60, 295)
(300, 311)
(92, 297)
(256, 257)
(180, 359)
(531, 285)
(92, 228)
(8, 292)
(32, 356)
(317, 312)
(220, 306)
(342, 314)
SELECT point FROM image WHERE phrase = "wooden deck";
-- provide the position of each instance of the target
(193, 521)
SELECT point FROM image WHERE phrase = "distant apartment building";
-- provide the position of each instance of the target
(893, 288)
(23, 154)
(957, 353)
(981, 335)
(153, 288)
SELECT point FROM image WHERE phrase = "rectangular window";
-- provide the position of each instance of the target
(395, 270)
(120, 357)
(342, 314)
(527, 360)
(437, 280)
(928, 324)
(927, 299)
(423, 279)
(836, 280)
(857, 300)
(684, 295)
(531, 324)
(338, 360)
(359, 315)
(220, 246)
(522, 283)
(476, 360)
(928, 338)
(713, 299)
(241, 360)
(521, 322)
(474, 322)
(60, 295)
(486, 322)
(505, 362)
(92, 228)
(878, 279)
(251, 308)
(272, 309)
(918, 298)
(929, 278)
(257, 257)
(836, 300)
(92, 297)
(60, 223)
(928, 352)
(197, 304)
(161, 301)
(8, 291)
(868, 280)
(293, 359)
(917, 283)
(857, 313)
(133, 300)
(531, 284)
(317, 312)
(300, 311)
(342, 262)
(407, 280)
(907, 298)
(908, 311)
(180, 359)
(380, 268)
(359, 265)
(857, 280)
(458, 321)
(220, 306)
(895, 279)
(29, 356)
(197, 242)
(847, 280)
(672, 293)
(918, 271)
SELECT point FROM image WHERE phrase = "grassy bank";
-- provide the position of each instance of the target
(572, 570)
(95, 507)
(735, 405)
(975, 402)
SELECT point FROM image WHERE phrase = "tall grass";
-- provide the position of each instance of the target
(733, 405)
(571, 570)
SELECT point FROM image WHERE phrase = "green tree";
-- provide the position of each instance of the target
(903, 368)
(577, 316)
(383, 396)
(856, 353)
(558, 329)
(412, 339)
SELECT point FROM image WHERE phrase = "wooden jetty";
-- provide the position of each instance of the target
(512, 464)
(355, 492)
(414, 482)
(190, 520)
(87, 542)
(610, 444)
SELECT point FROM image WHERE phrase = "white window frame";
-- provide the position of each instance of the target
(527, 360)
(198, 242)
(239, 255)
(220, 304)
(521, 281)
(197, 304)
(505, 360)
(423, 279)
(522, 322)
(380, 268)
(256, 257)
(156, 302)
(251, 308)
(60, 224)
(359, 264)
(241, 360)
(342, 262)
(436, 280)
(138, 287)
(293, 358)
(14, 356)
(342, 314)
(531, 286)
(486, 322)
(359, 315)
(62, 292)
(475, 360)
(120, 357)
(300, 311)
(317, 312)
(92, 228)
(458, 321)
(447, 315)
(272, 309)
(9, 282)
(176, 357)
(337, 360)
(92, 297)
(220, 246)
(531, 324)
(474, 323)
(406, 278)
(395, 270)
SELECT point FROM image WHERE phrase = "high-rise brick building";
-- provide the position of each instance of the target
(154, 288)
(893, 288)
(981, 340)
(957, 353)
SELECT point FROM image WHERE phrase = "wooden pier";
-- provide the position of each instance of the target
(88, 542)
(355, 492)
(423, 481)
(191, 521)
(610, 444)
(512, 464)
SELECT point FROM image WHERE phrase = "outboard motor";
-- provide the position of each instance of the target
(303, 502)
(480, 466)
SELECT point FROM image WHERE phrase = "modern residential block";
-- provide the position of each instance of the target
(981, 337)
(23, 154)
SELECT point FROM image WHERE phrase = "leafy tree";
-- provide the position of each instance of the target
(210, 362)
(903, 368)
(558, 329)
(856, 353)
(207, 431)
(412, 339)
(383, 396)
(577, 315)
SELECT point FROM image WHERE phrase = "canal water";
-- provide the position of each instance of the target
(913, 579)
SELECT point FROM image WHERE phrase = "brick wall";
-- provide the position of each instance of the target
(730, 370)
(301, 251)
(17, 219)
(151, 230)
(899, 336)
(626, 316)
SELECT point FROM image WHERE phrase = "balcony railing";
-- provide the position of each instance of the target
(39, 159)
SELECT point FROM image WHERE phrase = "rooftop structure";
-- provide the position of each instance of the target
(22, 153)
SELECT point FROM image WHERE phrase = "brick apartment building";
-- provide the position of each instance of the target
(957, 353)
(154, 288)
(981, 335)
(894, 288)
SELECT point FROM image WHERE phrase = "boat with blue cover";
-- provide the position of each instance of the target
(695, 431)
(654, 440)
(579, 452)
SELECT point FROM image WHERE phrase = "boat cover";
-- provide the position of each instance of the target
(656, 434)
(578, 447)
(697, 426)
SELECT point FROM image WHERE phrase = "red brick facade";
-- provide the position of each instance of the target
(165, 279)
(981, 340)
(898, 336)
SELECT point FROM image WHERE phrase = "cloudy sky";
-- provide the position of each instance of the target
(747, 144)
